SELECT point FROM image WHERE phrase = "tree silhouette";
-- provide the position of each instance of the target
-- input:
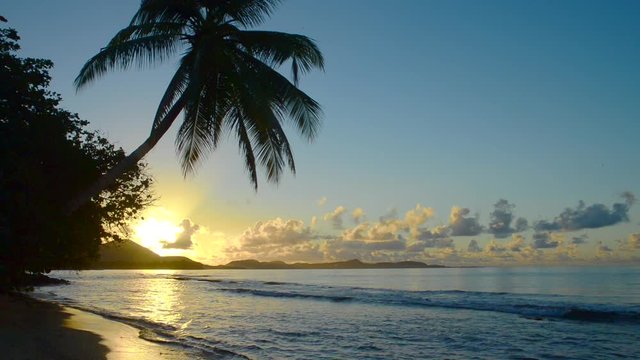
(45, 156)
(227, 80)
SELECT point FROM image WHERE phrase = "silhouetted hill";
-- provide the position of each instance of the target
(350, 264)
(129, 255)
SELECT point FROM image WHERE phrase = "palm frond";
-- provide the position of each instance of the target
(154, 11)
(133, 32)
(274, 150)
(248, 13)
(175, 89)
(193, 137)
(236, 119)
(272, 145)
(304, 112)
(199, 132)
(275, 48)
(262, 119)
(141, 52)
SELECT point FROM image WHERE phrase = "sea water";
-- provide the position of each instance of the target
(453, 313)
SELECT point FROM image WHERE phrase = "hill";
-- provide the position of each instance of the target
(129, 255)
(350, 264)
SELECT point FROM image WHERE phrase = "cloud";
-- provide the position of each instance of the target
(335, 217)
(374, 232)
(320, 202)
(633, 242)
(437, 232)
(274, 233)
(629, 197)
(461, 225)
(521, 225)
(501, 219)
(473, 247)
(409, 236)
(358, 215)
(603, 250)
(314, 221)
(391, 215)
(417, 216)
(277, 239)
(382, 231)
(391, 245)
(589, 217)
(579, 239)
(516, 244)
(366, 250)
(359, 232)
(494, 248)
(183, 239)
(544, 240)
(439, 243)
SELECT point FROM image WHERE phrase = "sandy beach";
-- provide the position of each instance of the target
(31, 329)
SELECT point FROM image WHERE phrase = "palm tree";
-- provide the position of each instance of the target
(226, 81)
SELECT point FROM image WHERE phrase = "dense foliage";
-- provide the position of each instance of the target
(47, 156)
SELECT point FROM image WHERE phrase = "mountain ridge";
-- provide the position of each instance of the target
(131, 255)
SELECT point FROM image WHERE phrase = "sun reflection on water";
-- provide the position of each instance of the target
(161, 298)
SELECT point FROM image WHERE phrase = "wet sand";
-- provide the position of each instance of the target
(31, 329)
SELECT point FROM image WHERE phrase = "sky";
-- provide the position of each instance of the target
(445, 122)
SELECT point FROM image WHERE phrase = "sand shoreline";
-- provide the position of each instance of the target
(33, 329)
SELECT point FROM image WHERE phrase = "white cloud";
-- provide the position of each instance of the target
(461, 225)
(358, 215)
(335, 217)
(184, 238)
(276, 232)
(634, 241)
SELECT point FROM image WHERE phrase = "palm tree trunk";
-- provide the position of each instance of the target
(128, 162)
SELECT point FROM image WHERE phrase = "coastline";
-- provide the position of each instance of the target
(34, 329)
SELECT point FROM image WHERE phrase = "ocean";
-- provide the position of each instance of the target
(450, 313)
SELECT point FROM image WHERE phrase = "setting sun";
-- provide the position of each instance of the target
(151, 233)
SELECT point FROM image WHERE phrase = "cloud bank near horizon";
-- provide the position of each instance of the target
(504, 239)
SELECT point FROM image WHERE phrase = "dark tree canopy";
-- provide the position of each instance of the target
(46, 156)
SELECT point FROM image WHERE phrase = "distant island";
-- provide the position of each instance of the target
(349, 264)
(130, 255)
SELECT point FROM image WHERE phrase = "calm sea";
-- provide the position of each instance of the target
(473, 313)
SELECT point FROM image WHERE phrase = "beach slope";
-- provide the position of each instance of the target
(31, 329)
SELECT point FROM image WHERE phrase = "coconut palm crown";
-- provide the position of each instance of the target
(226, 80)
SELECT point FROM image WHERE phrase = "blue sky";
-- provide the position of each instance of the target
(438, 103)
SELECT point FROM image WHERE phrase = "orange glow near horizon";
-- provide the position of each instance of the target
(152, 232)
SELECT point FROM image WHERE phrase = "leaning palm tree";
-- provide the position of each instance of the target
(226, 81)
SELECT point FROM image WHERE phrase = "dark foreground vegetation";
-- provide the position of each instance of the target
(47, 155)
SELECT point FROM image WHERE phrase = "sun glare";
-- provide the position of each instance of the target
(151, 233)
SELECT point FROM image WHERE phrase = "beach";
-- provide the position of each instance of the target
(32, 329)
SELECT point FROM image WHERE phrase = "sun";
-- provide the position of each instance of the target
(152, 232)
